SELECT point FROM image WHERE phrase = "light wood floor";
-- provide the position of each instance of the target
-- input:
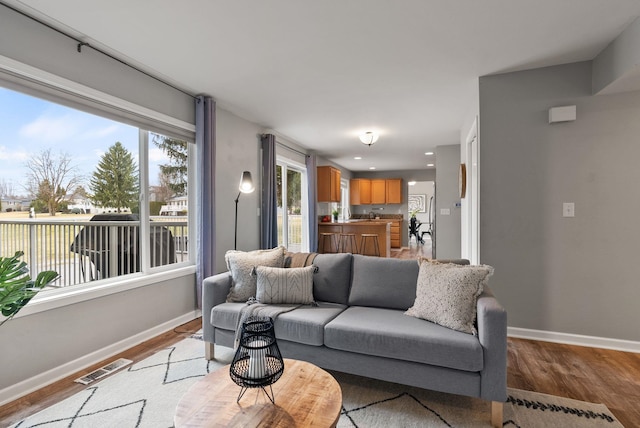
(588, 374)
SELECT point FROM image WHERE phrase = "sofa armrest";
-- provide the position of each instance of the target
(492, 333)
(214, 292)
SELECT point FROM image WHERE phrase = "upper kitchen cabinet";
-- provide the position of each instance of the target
(394, 190)
(328, 179)
(360, 191)
(365, 191)
(378, 191)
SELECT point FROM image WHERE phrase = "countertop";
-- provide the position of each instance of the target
(362, 222)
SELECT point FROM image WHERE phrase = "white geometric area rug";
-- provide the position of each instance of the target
(145, 395)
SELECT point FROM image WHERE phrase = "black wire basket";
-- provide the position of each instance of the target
(257, 362)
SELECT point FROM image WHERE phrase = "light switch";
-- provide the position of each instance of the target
(568, 209)
(445, 211)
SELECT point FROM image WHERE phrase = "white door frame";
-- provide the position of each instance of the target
(471, 222)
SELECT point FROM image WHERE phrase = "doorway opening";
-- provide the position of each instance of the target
(422, 227)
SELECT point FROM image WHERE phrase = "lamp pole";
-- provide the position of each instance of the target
(246, 186)
(235, 236)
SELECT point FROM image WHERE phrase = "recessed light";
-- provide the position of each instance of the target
(428, 153)
(430, 164)
(358, 157)
(411, 183)
(372, 167)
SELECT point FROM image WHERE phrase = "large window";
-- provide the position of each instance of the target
(87, 196)
(293, 228)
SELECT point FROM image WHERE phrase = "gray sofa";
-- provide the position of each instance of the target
(359, 327)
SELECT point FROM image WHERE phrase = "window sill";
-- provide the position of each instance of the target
(76, 294)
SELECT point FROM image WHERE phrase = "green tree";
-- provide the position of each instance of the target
(46, 193)
(39, 206)
(115, 181)
(293, 189)
(175, 172)
(50, 178)
(81, 192)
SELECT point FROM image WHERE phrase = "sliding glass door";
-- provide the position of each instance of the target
(291, 181)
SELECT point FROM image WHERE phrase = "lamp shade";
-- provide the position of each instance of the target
(246, 183)
(368, 138)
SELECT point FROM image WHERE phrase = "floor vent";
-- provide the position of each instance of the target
(103, 371)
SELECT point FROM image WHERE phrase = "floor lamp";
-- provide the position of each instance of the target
(246, 186)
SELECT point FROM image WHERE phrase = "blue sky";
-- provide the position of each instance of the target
(29, 125)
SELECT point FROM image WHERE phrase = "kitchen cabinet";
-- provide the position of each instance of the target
(393, 190)
(364, 191)
(360, 191)
(395, 237)
(378, 191)
(328, 179)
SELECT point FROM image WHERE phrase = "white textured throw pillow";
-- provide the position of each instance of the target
(285, 285)
(446, 294)
(241, 265)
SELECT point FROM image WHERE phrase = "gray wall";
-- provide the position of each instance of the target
(620, 58)
(237, 150)
(408, 175)
(571, 275)
(36, 45)
(43, 341)
(447, 236)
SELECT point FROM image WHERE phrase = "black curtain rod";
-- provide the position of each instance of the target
(292, 149)
(81, 44)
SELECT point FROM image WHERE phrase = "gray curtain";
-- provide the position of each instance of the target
(269, 212)
(205, 149)
(311, 162)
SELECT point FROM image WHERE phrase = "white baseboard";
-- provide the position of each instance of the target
(574, 339)
(34, 383)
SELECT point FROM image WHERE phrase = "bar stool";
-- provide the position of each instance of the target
(365, 237)
(331, 239)
(348, 240)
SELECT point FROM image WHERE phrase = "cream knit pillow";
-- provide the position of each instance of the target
(285, 285)
(446, 294)
(241, 265)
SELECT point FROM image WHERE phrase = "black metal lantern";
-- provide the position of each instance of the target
(257, 362)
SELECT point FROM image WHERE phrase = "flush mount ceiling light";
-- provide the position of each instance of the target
(368, 138)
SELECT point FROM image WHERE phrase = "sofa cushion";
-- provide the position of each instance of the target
(389, 333)
(447, 294)
(303, 325)
(284, 285)
(383, 283)
(241, 265)
(332, 281)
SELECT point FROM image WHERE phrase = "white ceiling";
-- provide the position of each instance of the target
(321, 72)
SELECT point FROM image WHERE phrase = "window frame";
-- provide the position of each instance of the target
(287, 163)
(38, 83)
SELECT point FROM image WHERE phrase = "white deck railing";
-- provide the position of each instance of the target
(83, 251)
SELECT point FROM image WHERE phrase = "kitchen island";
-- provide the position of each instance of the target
(379, 227)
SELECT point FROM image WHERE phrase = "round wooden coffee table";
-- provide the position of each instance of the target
(305, 396)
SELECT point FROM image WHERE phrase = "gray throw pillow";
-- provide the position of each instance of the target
(446, 294)
(241, 265)
(285, 285)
